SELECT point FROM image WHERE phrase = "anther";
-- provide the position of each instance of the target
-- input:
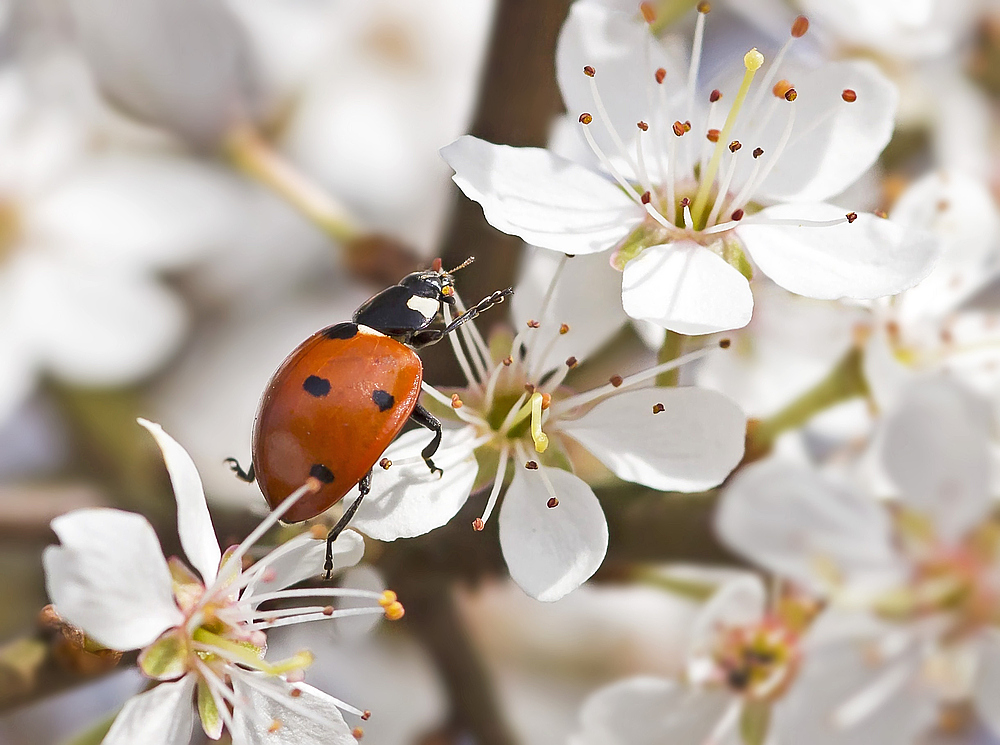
(529, 387)
(781, 88)
(546, 400)
(687, 126)
(791, 94)
(713, 135)
(531, 465)
(388, 598)
(553, 502)
(658, 408)
(799, 27)
(385, 463)
(646, 197)
(724, 343)
(328, 610)
(737, 215)
(508, 361)
(357, 733)
(678, 128)
(394, 611)
(564, 328)
(615, 380)
(586, 118)
(642, 125)
(478, 524)
(318, 532)
(456, 402)
(589, 71)
(366, 715)
(275, 726)
(757, 152)
(661, 74)
(648, 12)
(295, 692)
(313, 484)
(685, 202)
(714, 96)
(881, 213)
(851, 216)
(533, 324)
(734, 146)
(849, 95)
(704, 8)
(571, 362)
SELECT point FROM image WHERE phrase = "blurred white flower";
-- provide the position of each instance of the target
(919, 575)
(516, 412)
(680, 211)
(202, 630)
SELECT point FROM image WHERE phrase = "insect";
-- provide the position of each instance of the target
(340, 398)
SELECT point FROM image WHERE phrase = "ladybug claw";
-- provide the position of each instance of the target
(235, 467)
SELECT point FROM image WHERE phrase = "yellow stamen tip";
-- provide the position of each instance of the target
(540, 439)
(388, 598)
(753, 60)
(394, 611)
(541, 442)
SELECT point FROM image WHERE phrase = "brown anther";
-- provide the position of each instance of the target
(648, 12)
(385, 463)
(366, 715)
(737, 215)
(724, 343)
(295, 692)
(533, 324)
(646, 197)
(714, 96)
(735, 145)
(275, 726)
(553, 502)
(642, 125)
(791, 94)
(531, 465)
(781, 88)
(849, 95)
(757, 152)
(571, 362)
(456, 402)
(313, 484)
(704, 7)
(529, 387)
(687, 126)
(563, 328)
(328, 610)
(508, 361)
(678, 129)
(851, 216)
(589, 71)
(586, 118)
(657, 408)
(546, 400)
(357, 733)
(685, 202)
(318, 532)
(713, 135)
(881, 213)
(661, 74)
(615, 380)
(478, 524)
(799, 27)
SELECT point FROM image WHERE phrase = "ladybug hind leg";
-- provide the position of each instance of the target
(425, 419)
(364, 486)
(247, 475)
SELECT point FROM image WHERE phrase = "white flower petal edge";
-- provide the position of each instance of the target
(162, 716)
(312, 718)
(109, 577)
(408, 500)
(792, 521)
(741, 601)
(548, 201)
(936, 450)
(691, 445)
(300, 558)
(869, 258)
(551, 551)
(194, 524)
(686, 288)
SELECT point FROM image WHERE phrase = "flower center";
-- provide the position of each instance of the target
(757, 661)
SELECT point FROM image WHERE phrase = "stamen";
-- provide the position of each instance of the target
(540, 439)
(606, 120)
(760, 173)
(734, 147)
(318, 592)
(385, 464)
(607, 163)
(491, 503)
(473, 330)
(849, 95)
(320, 616)
(463, 361)
(699, 37)
(648, 12)
(464, 414)
(752, 61)
(799, 28)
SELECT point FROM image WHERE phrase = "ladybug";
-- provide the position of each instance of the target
(340, 398)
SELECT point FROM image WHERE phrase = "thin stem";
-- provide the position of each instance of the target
(671, 349)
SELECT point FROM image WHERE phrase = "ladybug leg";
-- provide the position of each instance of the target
(431, 336)
(364, 486)
(234, 465)
(424, 418)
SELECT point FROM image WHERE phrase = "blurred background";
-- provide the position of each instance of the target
(163, 247)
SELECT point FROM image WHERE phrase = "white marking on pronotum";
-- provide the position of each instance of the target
(425, 306)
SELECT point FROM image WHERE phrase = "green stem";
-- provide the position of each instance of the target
(671, 349)
(844, 382)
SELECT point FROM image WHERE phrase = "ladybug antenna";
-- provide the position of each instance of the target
(462, 265)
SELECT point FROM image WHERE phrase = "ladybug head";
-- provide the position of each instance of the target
(434, 282)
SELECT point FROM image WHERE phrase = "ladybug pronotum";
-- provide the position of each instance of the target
(340, 398)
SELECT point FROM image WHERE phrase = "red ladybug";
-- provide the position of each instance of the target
(343, 394)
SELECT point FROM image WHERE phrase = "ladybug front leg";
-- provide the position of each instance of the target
(235, 467)
(424, 418)
(364, 486)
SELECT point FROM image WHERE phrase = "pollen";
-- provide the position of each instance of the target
(724, 343)
(540, 439)
(586, 118)
(781, 88)
(318, 532)
(456, 402)
(357, 733)
(546, 401)
(849, 95)
(275, 726)
(679, 129)
(395, 611)
(478, 525)
(791, 94)
(713, 135)
(295, 692)
(564, 328)
(366, 715)
(646, 197)
(737, 215)
(660, 75)
(643, 126)
(385, 464)
(753, 60)
(508, 361)
(388, 598)
(571, 362)
(800, 26)
(704, 7)
(757, 152)
(648, 12)
(533, 324)
(658, 408)
(328, 610)
(553, 502)
(589, 71)
(531, 465)
(734, 146)
(851, 216)
(615, 380)
(714, 96)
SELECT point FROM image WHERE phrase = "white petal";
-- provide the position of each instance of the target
(302, 558)
(650, 711)
(194, 524)
(162, 716)
(690, 446)
(587, 297)
(546, 200)
(551, 551)
(793, 522)
(986, 690)
(739, 602)
(935, 449)
(408, 500)
(109, 577)
(826, 154)
(325, 724)
(869, 258)
(186, 67)
(885, 374)
(686, 288)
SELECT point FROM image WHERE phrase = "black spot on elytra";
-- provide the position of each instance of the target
(341, 331)
(321, 472)
(316, 386)
(383, 400)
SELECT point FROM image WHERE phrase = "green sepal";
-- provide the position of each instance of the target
(166, 658)
(732, 254)
(208, 710)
